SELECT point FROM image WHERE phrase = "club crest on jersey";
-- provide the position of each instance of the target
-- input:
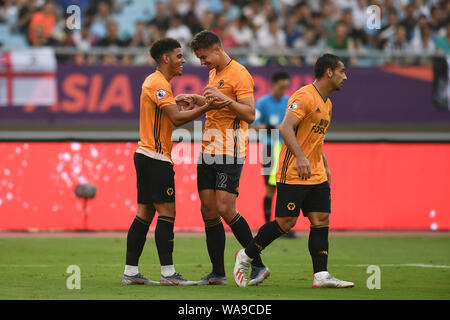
(220, 84)
(293, 106)
(160, 94)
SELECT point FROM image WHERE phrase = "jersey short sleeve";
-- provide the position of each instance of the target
(244, 85)
(300, 105)
(161, 94)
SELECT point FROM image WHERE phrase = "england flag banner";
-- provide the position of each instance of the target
(28, 78)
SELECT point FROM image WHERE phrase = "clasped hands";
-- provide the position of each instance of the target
(214, 99)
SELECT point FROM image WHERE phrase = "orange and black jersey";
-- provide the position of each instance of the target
(224, 133)
(155, 128)
(315, 114)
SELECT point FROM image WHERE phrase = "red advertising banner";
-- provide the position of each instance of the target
(374, 186)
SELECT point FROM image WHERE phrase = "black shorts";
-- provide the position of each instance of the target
(223, 173)
(155, 180)
(310, 198)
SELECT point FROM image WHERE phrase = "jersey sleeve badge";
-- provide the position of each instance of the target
(293, 106)
(160, 94)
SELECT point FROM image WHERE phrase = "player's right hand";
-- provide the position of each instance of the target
(185, 101)
(303, 168)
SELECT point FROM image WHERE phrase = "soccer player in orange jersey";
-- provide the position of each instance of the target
(303, 175)
(225, 140)
(154, 167)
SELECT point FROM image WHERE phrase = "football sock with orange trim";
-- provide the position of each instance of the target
(215, 242)
(318, 247)
(164, 238)
(137, 234)
(243, 234)
(265, 236)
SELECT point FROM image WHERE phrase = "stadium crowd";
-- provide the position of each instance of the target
(260, 26)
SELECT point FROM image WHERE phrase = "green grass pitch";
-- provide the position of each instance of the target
(412, 267)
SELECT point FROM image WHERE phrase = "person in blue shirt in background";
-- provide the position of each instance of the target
(270, 111)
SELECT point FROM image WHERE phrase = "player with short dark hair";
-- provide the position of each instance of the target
(270, 111)
(154, 166)
(303, 175)
(224, 148)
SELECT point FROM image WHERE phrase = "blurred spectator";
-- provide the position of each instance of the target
(357, 35)
(179, 31)
(436, 21)
(222, 29)
(112, 37)
(345, 4)
(182, 7)
(292, 30)
(303, 14)
(271, 36)
(340, 40)
(142, 37)
(212, 5)
(83, 39)
(315, 23)
(328, 18)
(423, 44)
(442, 43)
(208, 20)
(387, 32)
(359, 14)
(193, 23)
(409, 21)
(397, 46)
(242, 33)
(26, 11)
(310, 45)
(39, 37)
(421, 22)
(230, 10)
(161, 20)
(9, 13)
(44, 20)
(100, 20)
(422, 8)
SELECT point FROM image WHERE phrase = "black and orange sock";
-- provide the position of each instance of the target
(318, 247)
(164, 238)
(137, 234)
(215, 242)
(265, 236)
(243, 234)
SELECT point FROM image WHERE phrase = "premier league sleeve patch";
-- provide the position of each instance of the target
(293, 106)
(160, 94)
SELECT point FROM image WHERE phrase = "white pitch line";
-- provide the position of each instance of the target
(418, 265)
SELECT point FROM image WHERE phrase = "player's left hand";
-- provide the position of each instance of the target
(328, 176)
(214, 94)
(215, 105)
